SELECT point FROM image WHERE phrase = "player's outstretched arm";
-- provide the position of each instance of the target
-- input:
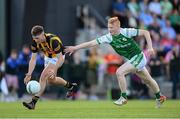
(72, 49)
(61, 59)
(147, 36)
(32, 64)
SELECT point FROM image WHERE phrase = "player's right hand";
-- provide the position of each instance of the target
(27, 79)
(150, 52)
(70, 49)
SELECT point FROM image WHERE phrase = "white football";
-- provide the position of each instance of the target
(33, 87)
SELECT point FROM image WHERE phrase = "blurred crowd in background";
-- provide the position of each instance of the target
(94, 69)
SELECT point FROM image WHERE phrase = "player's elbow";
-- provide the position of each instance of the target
(33, 57)
(63, 59)
(144, 32)
(33, 60)
(93, 43)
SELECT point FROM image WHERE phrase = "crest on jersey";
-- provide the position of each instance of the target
(124, 39)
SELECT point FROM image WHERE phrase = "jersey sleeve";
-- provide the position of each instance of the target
(57, 46)
(104, 39)
(34, 48)
(129, 32)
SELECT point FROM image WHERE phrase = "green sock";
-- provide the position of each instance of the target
(124, 95)
(158, 95)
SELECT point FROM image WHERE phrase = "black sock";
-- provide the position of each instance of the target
(35, 99)
(68, 85)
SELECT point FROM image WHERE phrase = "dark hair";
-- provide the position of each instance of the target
(36, 30)
(14, 51)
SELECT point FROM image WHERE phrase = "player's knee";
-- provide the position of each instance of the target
(51, 81)
(51, 76)
(146, 80)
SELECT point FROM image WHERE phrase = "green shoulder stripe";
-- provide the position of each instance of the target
(137, 32)
(98, 41)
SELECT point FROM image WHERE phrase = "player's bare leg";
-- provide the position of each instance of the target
(51, 78)
(121, 72)
(60, 81)
(43, 80)
(48, 76)
(150, 82)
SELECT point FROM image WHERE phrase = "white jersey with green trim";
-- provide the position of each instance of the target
(123, 43)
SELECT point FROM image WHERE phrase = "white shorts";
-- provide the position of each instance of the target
(138, 61)
(48, 60)
(53, 60)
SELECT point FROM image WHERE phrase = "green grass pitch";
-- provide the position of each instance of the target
(92, 110)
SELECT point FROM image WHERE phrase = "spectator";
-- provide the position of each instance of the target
(11, 74)
(92, 73)
(155, 7)
(156, 68)
(144, 5)
(162, 21)
(175, 4)
(3, 84)
(134, 8)
(23, 61)
(132, 22)
(155, 25)
(146, 18)
(175, 70)
(119, 10)
(169, 30)
(166, 7)
(175, 20)
(156, 42)
(166, 43)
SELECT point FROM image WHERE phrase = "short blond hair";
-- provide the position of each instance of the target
(114, 20)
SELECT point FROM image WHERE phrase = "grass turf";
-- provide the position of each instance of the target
(92, 109)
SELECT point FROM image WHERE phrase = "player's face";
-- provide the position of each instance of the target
(40, 38)
(113, 28)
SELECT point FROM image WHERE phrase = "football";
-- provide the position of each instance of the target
(33, 87)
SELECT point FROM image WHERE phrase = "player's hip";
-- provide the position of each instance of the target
(139, 61)
(53, 60)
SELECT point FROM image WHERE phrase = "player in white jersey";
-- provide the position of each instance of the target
(122, 42)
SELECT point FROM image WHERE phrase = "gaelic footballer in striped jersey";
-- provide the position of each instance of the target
(52, 47)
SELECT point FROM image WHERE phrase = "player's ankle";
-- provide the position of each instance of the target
(68, 85)
(124, 95)
(158, 95)
(35, 99)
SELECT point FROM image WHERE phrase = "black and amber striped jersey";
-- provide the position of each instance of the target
(50, 48)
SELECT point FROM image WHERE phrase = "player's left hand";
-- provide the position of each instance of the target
(27, 79)
(70, 49)
(151, 52)
(52, 73)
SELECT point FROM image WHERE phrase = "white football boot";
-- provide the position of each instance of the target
(121, 101)
(160, 101)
